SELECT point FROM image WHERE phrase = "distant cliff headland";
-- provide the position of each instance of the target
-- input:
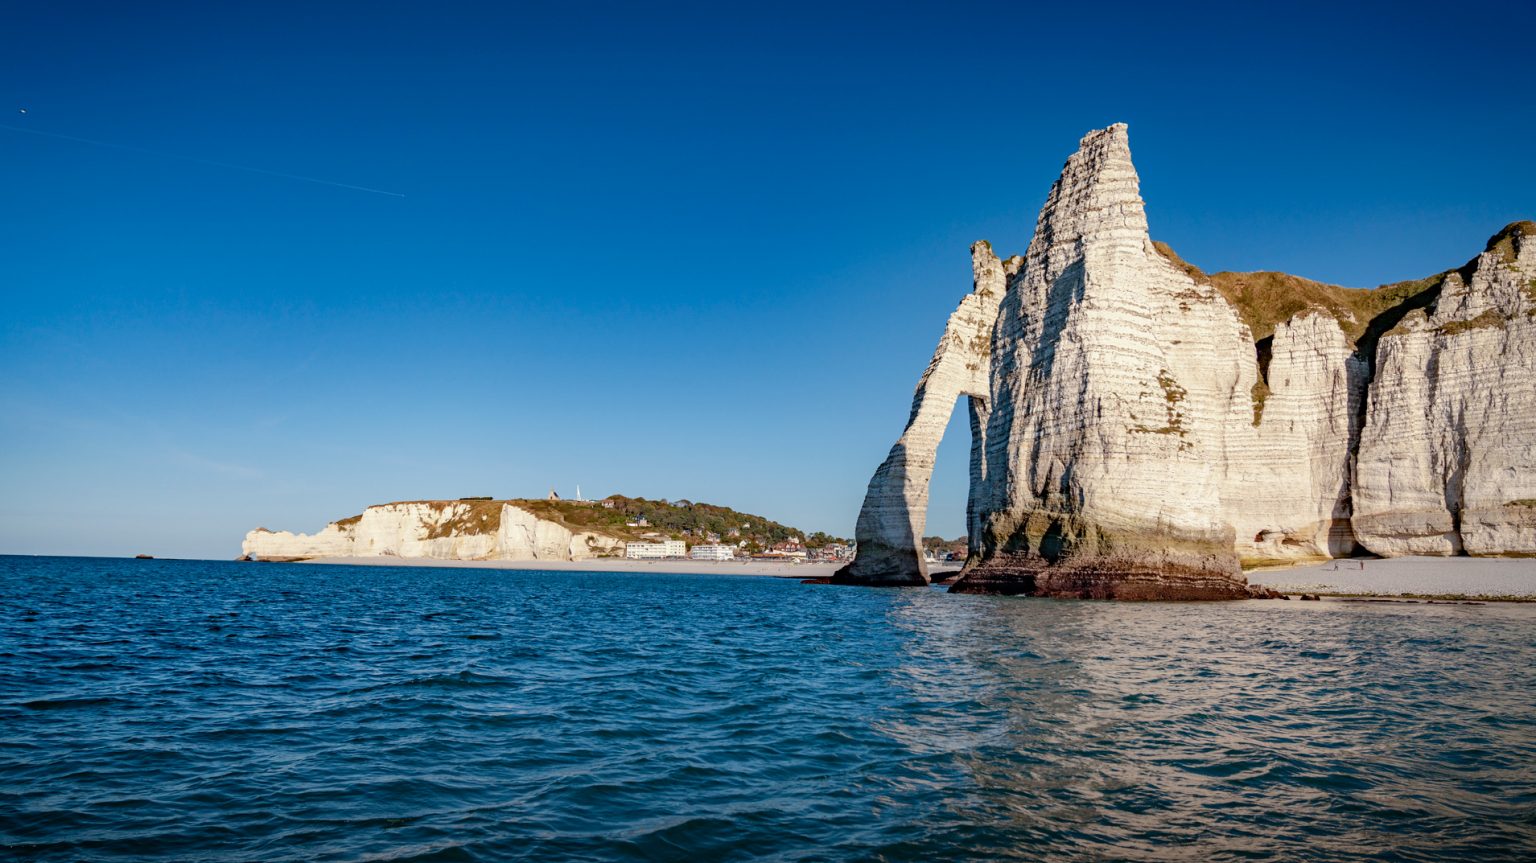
(539, 529)
(1141, 429)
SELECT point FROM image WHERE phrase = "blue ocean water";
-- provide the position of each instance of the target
(164, 710)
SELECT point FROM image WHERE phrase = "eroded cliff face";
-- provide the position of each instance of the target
(441, 530)
(1286, 477)
(1134, 439)
(1113, 371)
(1447, 460)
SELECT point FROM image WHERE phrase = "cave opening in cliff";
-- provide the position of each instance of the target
(1265, 349)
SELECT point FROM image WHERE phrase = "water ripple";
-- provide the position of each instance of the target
(160, 710)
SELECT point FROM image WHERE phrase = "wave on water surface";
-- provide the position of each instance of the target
(165, 710)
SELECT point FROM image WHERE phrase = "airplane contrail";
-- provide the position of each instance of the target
(165, 155)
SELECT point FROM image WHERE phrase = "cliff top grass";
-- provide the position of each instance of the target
(475, 517)
(1504, 243)
(1489, 319)
(1264, 300)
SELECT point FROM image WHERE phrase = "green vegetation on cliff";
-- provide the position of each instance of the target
(482, 515)
(616, 514)
(938, 544)
(1264, 300)
(628, 518)
(1503, 242)
(1489, 319)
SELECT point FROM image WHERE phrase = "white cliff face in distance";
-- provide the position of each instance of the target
(1134, 439)
(440, 530)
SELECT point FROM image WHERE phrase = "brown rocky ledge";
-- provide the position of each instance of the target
(1101, 579)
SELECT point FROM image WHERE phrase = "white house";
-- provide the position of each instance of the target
(713, 552)
(656, 550)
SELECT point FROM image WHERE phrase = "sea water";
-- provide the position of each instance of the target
(165, 710)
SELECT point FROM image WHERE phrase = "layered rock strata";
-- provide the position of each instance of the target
(1135, 440)
(441, 530)
(1286, 487)
(1447, 461)
(1112, 372)
(890, 526)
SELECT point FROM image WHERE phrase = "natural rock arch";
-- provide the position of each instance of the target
(895, 511)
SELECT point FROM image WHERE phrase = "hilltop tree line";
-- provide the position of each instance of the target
(614, 514)
(939, 543)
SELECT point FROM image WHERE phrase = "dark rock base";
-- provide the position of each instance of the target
(882, 566)
(868, 577)
(1106, 580)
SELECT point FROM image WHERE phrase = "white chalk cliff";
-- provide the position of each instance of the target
(441, 530)
(1447, 461)
(1133, 439)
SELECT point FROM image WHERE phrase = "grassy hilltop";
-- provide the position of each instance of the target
(621, 517)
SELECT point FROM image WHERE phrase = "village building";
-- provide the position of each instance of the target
(656, 550)
(713, 552)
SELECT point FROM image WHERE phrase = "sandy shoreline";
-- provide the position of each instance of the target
(1464, 577)
(679, 567)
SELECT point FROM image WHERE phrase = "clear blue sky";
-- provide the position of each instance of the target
(694, 251)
